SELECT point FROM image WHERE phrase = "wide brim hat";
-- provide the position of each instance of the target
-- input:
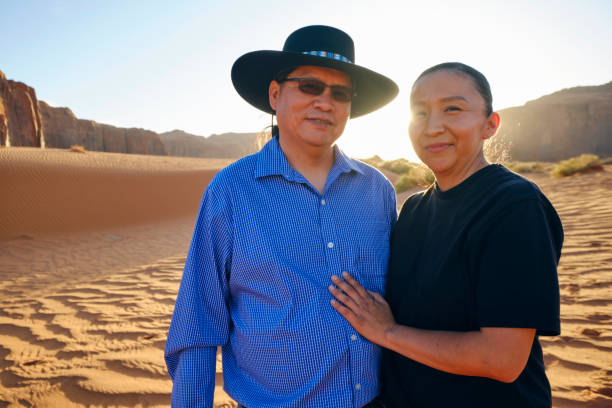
(316, 45)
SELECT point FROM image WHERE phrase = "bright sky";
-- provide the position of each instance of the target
(165, 65)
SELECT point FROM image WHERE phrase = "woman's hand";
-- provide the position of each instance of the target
(366, 311)
(499, 353)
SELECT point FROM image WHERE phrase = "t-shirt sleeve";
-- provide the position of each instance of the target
(516, 270)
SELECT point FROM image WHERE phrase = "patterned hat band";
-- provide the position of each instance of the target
(329, 55)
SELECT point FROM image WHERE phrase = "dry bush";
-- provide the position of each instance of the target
(529, 167)
(607, 160)
(419, 175)
(77, 149)
(374, 161)
(399, 166)
(412, 174)
(580, 164)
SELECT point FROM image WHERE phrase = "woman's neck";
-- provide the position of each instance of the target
(453, 177)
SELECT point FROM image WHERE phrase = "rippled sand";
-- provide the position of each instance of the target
(92, 248)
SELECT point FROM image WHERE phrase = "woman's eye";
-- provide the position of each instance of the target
(418, 114)
(453, 109)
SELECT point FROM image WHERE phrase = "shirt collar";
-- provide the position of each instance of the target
(271, 161)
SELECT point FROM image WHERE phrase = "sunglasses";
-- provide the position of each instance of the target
(312, 86)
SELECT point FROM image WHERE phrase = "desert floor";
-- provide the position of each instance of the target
(92, 248)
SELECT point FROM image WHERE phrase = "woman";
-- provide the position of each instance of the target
(472, 280)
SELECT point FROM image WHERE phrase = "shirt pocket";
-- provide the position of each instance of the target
(372, 256)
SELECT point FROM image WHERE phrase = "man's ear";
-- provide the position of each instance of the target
(493, 122)
(273, 92)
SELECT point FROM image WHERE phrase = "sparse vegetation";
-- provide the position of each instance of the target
(399, 166)
(77, 149)
(412, 174)
(419, 175)
(607, 160)
(405, 182)
(580, 164)
(375, 161)
(529, 167)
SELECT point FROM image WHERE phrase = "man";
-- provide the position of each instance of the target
(271, 231)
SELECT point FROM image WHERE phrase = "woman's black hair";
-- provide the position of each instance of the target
(480, 81)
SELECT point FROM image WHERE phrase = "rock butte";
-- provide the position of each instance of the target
(564, 124)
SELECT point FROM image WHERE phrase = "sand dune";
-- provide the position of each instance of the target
(579, 362)
(86, 299)
(92, 248)
(54, 191)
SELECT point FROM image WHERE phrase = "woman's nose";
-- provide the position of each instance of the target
(434, 125)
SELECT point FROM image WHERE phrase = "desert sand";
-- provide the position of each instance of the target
(92, 248)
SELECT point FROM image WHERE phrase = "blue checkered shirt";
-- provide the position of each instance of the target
(255, 283)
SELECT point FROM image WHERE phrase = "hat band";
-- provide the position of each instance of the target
(330, 55)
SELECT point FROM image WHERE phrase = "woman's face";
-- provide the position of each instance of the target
(449, 124)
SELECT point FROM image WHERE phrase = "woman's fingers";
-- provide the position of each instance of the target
(354, 284)
(343, 297)
(377, 297)
(346, 287)
(343, 310)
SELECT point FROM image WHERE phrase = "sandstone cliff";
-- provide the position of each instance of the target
(226, 145)
(20, 121)
(62, 129)
(26, 121)
(560, 125)
(554, 127)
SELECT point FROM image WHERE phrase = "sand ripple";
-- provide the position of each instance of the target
(579, 362)
(85, 302)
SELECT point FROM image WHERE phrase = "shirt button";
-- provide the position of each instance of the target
(353, 337)
(357, 387)
(322, 201)
(330, 244)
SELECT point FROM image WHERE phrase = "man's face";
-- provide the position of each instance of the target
(310, 121)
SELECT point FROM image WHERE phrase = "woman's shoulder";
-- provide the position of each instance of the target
(507, 186)
(513, 192)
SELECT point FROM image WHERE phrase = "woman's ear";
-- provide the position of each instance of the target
(491, 126)
(273, 91)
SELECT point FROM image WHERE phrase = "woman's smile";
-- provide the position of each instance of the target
(437, 147)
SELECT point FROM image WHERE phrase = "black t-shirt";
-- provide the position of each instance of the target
(482, 254)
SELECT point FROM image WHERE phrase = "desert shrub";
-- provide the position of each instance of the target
(405, 182)
(607, 160)
(411, 174)
(419, 175)
(374, 161)
(529, 167)
(582, 163)
(428, 176)
(77, 149)
(399, 166)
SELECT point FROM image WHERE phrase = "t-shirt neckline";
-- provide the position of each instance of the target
(465, 184)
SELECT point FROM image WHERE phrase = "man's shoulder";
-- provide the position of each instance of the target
(238, 172)
(371, 172)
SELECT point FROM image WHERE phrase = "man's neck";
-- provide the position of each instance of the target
(312, 162)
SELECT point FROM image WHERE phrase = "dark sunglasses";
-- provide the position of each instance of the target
(312, 86)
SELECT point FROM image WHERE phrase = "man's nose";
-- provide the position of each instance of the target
(324, 101)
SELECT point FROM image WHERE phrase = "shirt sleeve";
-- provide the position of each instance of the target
(200, 322)
(516, 278)
(392, 202)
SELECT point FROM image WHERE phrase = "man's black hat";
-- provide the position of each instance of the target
(316, 45)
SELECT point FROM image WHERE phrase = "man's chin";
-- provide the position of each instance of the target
(321, 143)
